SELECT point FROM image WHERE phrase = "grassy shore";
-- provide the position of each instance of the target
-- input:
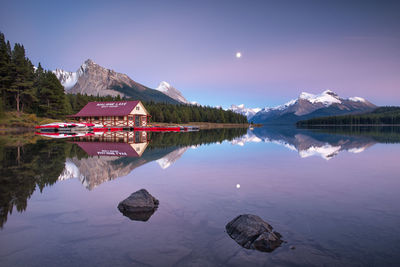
(12, 121)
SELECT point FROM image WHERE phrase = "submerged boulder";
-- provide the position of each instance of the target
(139, 206)
(251, 232)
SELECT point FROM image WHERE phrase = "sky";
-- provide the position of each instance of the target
(350, 47)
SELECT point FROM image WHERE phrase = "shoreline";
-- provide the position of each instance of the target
(350, 125)
(206, 125)
(202, 125)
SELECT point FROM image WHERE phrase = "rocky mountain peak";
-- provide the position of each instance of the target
(90, 62)
(93, 79)
(172, 92)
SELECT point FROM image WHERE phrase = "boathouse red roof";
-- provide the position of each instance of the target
(111, 108)
(108, 149)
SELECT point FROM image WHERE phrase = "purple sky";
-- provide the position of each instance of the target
(350, 47)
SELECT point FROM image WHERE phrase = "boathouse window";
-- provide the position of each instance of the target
(120, 118)
(130, 118)
(96, 118)
(137, 108)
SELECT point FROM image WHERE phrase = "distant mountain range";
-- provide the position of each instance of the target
(241, 109)
(93, 79)
(308, 106)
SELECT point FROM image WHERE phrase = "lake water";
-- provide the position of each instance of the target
(333, 194)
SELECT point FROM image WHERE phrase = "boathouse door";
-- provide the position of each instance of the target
(137, 121)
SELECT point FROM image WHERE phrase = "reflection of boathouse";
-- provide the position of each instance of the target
(114, 113)
(119, 144)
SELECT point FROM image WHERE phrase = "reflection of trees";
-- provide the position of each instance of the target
(25, 164)
(159, 140)
(380, 134)
(23, 167)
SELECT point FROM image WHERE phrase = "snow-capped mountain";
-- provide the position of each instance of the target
(241, 109)
(93, 79)
(308, 106)
(172, 92)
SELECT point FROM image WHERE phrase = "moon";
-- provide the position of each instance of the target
(238, 186)
(238, 55)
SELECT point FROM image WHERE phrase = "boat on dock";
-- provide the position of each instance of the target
(69, 128)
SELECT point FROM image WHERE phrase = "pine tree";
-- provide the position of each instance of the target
(4, 70)
(50, 92)
(22, 77)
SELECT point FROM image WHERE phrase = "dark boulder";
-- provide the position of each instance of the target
(139, 206)
(251, 232)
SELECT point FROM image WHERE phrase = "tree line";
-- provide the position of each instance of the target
(381, 115)
(30, 89)
(163, 112)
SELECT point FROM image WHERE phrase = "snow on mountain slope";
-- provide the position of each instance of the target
(241, 109)
(326, 103)
(68, 79)
(357, 99)
(327, 98)
(172, 92)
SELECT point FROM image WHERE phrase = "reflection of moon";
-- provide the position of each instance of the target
(238, 55)
(238, 186)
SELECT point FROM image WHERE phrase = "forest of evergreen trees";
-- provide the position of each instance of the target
(381, 115)
(25, 88)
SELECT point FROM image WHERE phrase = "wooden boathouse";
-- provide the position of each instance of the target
(114, 113)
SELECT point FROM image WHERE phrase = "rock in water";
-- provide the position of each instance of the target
(251, 232)
(139, 206)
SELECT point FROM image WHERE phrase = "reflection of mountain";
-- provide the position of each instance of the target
(28, 164)
(113, 155)
(170, 158)
(314, 143)
(93, 171)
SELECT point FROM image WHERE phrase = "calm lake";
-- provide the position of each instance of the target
(333, 195)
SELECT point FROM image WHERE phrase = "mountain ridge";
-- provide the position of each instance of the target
(241, 109)
(308, 106)
(93, 79)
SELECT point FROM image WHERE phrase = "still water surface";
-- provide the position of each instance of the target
(333, 194)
